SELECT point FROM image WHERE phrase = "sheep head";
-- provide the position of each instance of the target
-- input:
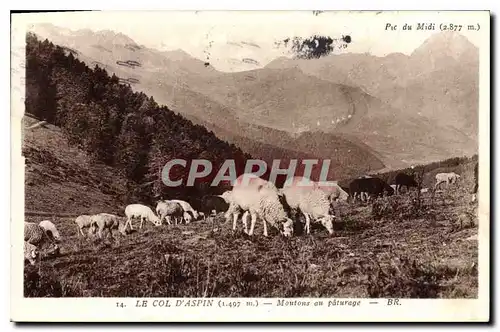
(287, 227)
(187, 217)
(226, 196)
(155, 220)
(327, 222)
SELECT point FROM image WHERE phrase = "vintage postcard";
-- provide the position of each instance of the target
(253, 166)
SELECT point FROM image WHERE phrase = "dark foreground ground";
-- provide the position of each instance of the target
(401, 246)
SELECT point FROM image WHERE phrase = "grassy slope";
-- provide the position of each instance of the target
(397, 255)
(60, 178)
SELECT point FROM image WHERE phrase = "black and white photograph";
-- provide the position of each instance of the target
(251, 161)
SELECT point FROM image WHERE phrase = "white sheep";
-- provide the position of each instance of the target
(311, 201)
(82, 222)
(448, 178)
(186, 206)
(38, 236)
(31, 253)
(106, 222)
(140, 211)
(261, 199)
(235, 210)
(169, 209)
(51, 229)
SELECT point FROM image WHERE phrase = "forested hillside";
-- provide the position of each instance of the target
(123, 129)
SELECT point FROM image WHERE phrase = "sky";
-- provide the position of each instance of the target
(208, 32)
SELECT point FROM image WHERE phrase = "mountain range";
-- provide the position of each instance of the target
(363, 112)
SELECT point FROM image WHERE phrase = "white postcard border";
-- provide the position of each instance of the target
(105, 309)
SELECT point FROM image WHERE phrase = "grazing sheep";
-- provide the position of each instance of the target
(403, 179)
(311, 201)
(186, 206)
(448, 178)
(82, 222)
(50, 229)
(140, 211)
(169, 209)
(373, 186)
(37, 235)
(235, 210)
(261, 199)
(213, 204)
(106, 222)
(31, 253)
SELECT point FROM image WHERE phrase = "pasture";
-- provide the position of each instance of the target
(411, 245)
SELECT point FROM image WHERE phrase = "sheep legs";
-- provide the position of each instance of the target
(168, 220)
(129, 222)
(252, 226)
(235, 220)
(79, 231)
(308, 222)
(359, 195)
(245, 222)
(164, 216)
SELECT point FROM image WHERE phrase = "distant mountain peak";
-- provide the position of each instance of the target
(177, 55)
(447, 44)
(116, 38)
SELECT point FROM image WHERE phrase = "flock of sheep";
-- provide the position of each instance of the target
(250, 196)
